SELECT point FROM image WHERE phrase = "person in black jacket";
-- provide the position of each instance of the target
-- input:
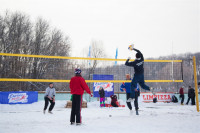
(191, 95)
(139, 74)
(102, 97)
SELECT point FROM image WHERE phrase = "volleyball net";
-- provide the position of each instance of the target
(51, 69)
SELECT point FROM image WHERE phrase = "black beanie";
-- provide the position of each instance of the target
(137, 55)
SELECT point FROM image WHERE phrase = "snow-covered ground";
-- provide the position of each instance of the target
(153, 118)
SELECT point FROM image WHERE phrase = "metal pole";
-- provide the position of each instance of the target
(182, 70)
(195, 83)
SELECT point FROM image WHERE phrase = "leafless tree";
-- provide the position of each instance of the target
(20, 36)
(97, 51)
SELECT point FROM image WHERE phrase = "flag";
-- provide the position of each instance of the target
(89, 54)
(116, 55)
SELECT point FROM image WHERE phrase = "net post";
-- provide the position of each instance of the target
(182, 70)
(195, 83)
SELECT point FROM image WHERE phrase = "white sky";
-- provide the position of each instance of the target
(152, 25)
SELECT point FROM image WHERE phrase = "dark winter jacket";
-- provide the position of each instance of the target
(137, 64)
(191, 93)
(174, 99)
(113, 98)
(78, 85)
(102, 93)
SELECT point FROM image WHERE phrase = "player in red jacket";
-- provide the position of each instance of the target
(77, 87)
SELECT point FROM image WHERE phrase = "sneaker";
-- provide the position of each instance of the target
(131, 112)
(50, 112)
(152, 90)
(78, 124)
(137, 112)
(72, 123)
(182, 104)
(130, 100)
(44, 111)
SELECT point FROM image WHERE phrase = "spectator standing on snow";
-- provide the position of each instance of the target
(191, 95)
(181, 92)
(114, 100)
(102, 96)
(49, 96)
(77, 87)
(126, 87)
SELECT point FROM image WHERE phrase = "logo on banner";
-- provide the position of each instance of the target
(161, 97)
(18, 98)
(107, 86)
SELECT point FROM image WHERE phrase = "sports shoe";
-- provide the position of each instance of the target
(182, 104)
(131, 112)
(130, 100)
(50, 112)
(152, 90)
(78, 124)
(72, 123)
(137, 112)
(44, 111)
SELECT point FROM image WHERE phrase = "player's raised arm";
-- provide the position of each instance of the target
(127, 63)
(139, 54)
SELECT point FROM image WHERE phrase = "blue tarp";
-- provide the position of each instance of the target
(18, 97)
(108, 87)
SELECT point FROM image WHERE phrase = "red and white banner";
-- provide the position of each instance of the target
(161, 97)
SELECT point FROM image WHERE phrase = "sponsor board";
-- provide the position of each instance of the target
(161, 97)
(18, 98)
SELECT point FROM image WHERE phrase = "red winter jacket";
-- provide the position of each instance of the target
(181, 91)
(78, 85)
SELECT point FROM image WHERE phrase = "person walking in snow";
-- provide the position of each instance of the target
(181, 92)
(139, 73)
(77, 87)
(126, 87)
(49, 96)
(191, 95)
(102, 96)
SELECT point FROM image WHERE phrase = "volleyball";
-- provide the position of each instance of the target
(130, 47)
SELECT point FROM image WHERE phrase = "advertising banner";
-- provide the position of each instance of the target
(108, 87)
(161, 97)
(18, 97)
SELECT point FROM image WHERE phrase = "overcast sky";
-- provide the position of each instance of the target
(156, 27)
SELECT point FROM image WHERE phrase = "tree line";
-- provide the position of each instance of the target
(19, 35)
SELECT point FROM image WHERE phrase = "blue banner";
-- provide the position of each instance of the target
(18, 97)
(108, 87)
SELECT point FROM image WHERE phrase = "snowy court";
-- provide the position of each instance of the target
(153, 118)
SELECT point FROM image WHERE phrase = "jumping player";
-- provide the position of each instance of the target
(139, 73)
(77, 86)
